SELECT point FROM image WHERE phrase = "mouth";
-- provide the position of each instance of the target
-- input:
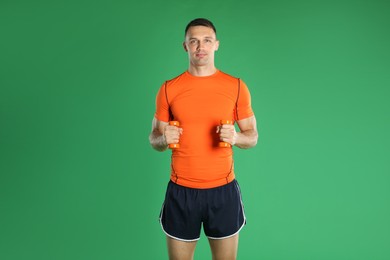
(200, 55)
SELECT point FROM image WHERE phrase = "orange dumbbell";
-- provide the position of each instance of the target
(174, 146)
(225, 122)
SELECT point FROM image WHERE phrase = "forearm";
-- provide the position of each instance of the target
(246, 139)
(158, 142)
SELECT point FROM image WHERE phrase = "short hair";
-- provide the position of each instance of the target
(200, 22)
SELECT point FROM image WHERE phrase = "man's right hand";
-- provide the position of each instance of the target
(172, 134)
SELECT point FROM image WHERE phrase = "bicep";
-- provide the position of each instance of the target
(162, 106)
(243, 104)
(247, 124)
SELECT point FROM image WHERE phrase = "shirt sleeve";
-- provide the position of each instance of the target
(244, 107)
(162, 106)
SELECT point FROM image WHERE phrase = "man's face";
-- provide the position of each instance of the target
(201, 43)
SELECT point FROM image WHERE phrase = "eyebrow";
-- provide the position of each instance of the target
(207, 37)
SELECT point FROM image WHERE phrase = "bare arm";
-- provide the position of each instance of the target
(248, 135)
(163, 134)
(156, 137)
(246, 138)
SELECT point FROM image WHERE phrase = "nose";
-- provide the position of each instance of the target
(200, 45)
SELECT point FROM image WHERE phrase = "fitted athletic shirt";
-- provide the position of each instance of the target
(199, 104)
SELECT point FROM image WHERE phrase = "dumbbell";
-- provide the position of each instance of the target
(225, 122)
(174, 146)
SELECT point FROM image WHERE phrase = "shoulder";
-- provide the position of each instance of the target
(234, 79)
(235, 82)
(230, 78)
(227, 75)
(174, 80)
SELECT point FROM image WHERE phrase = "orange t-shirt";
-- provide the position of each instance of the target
(199, 103)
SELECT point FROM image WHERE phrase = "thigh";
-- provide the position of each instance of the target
(224, 249)
(180, 250)
(225, 212)
(180, 216)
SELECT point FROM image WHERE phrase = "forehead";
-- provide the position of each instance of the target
(200, 32)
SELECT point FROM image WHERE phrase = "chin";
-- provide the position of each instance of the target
(201, 62)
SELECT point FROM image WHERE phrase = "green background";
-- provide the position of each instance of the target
(79, 180)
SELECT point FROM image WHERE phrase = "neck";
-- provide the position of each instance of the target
(202, 71)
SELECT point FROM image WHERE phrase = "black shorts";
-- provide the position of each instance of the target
(220, 210)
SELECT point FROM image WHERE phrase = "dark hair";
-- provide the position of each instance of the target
(200, 22)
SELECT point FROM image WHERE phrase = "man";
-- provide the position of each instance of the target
(202, 187)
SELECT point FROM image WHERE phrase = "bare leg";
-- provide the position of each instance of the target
(224, 249)
(180, 250)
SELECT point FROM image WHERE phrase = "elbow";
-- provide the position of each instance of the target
(252, 144)
(253, 140)
(256, 139)
(156, 145)
(158, 148)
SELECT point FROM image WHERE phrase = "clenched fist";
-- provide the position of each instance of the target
(227, 133)
(172, 134)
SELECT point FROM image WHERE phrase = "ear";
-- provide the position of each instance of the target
(216, 45)
(185, 47)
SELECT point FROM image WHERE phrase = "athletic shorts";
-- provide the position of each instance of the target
(219, 209)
